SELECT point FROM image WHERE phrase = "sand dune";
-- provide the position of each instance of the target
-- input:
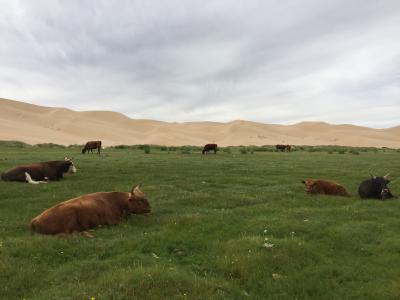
(36, 124)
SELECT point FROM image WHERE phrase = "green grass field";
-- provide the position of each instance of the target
(225, 226)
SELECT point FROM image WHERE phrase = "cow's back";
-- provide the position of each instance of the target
(82, 213)
(367, 189)
(330, 188)
(18, 173)
(93, 144)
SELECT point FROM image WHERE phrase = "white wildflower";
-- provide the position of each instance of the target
(276, 276)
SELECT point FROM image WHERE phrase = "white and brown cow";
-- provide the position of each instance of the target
(40, 172)
(90, 211)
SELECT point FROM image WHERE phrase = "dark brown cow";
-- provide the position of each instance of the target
(210, 147)
(375, 188)
(92, 145)
(282, 148)
(324, 187)
(40, 172)
(90, 211)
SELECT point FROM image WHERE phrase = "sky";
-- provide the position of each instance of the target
(267, 61)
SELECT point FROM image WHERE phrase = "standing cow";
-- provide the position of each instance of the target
(210, 147)
(92, 145)
(90, 211)
(375, 188)
(40, 172)
(283, 148)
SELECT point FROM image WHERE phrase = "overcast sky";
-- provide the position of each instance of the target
(266, 61)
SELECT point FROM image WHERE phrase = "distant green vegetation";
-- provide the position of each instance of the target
(13, 144)
(224, 226)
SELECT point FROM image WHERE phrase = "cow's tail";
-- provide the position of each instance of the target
(3, 177)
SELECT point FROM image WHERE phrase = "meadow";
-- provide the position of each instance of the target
(236, 225)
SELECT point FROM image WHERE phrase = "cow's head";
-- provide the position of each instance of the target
(309, 185)
(70, 165)
(138, 203)
(380, 183)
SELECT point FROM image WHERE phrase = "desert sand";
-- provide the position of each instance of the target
(35, 124)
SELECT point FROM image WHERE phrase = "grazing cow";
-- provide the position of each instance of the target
(40, 172)
(282, 148)
(92, 145)
(209, 147)
(375, 188)
(324, 187)
(90, 211)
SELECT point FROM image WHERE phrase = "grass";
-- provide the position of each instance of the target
(225, 226)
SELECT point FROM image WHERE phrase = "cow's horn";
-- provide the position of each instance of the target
(372, 176)
(386, 176)
(136, 190)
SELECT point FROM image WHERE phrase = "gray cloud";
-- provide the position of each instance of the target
(264, 61)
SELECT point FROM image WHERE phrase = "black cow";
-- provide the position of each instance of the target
(209, 147)
(92, 145)
(40, 172)
(282, 148)
(375, 188)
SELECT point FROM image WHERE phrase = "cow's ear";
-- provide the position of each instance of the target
(303, 182)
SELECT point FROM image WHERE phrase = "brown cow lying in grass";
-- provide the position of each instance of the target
(90, 211)
(324, 187)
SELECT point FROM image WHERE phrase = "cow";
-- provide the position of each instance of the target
(92, 145)
(324, 187)
(282, 148)
(209, 147)
(40, 172)
(375, 188)
(90, 211)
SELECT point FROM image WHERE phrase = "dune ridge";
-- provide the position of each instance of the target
(35, 124)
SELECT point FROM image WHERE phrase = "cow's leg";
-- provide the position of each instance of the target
(31, 181)
(63, 235)
(87, 234)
